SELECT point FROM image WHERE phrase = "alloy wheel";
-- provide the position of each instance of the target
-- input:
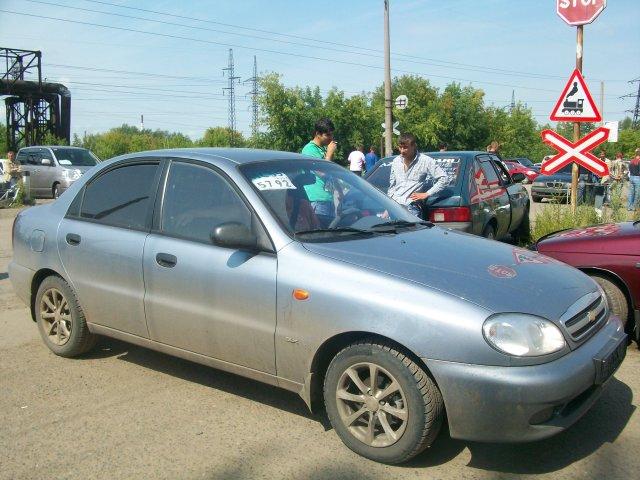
(56, 316)
(372, 404)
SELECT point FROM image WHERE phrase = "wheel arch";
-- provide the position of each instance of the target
(37, 279)
(330, 348)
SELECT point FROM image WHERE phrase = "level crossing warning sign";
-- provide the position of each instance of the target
(575, 152)
(575, 103)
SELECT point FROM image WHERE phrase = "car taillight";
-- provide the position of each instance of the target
(451, 214)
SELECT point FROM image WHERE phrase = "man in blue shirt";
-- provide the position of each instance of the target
(370, 159)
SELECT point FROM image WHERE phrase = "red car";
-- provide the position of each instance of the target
(610, 254)
(515, 167)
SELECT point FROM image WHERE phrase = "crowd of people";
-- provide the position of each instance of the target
(412, 172)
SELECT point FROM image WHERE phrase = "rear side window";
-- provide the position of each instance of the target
(379, 178)
(486, 177)
(197, 200)
(121, 197)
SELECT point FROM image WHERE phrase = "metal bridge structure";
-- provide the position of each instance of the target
(33, 108)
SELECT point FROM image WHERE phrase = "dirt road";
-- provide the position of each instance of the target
(126, 412)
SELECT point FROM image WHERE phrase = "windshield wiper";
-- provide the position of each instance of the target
(333, 230)
(395, 224)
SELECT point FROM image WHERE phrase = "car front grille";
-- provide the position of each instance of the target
(556, 185)
(582, 323)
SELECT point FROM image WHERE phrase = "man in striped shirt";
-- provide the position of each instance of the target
(411, 173)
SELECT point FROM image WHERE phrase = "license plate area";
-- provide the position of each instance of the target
(608, 360)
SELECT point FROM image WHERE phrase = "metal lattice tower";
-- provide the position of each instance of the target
(254, 97)
(636, 110)
(232, 98)
(513, 101)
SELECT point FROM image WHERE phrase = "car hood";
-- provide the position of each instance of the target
(612, 238)
(494, 275)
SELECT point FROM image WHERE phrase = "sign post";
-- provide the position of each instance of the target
(578, 13)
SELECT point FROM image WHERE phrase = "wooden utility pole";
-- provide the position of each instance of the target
(602, 102)
(388, 112)
(575, 171)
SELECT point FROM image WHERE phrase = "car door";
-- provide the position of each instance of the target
(491, 201)
(516, 194)
(101, 243)
(218, 302)
(47, 173)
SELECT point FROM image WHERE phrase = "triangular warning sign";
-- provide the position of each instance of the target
(575, 103)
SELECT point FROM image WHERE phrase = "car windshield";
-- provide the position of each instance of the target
(317, 199)
(77, 157)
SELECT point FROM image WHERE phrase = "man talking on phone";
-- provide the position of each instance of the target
(324, 196)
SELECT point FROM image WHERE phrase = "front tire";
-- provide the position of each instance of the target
(390, 419)
(616, 298)
(55, 191)
(489, 232)
(60, 319)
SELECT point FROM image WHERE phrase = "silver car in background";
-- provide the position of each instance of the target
(221, 257)
(53, 169)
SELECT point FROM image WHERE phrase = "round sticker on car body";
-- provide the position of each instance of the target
(501, 271)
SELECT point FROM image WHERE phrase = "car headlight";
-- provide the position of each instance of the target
(522, 335)
(537, 184)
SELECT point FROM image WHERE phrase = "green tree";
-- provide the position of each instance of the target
(221, 137)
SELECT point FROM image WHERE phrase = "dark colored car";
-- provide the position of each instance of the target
(556, 186)
(610, 254)
(481, 197)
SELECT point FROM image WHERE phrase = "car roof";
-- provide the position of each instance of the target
(234, 155)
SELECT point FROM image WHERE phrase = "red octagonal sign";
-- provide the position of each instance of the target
(579, 12)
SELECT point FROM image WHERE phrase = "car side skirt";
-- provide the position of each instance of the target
(263, 377)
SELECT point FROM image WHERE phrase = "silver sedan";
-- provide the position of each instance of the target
(297, 273)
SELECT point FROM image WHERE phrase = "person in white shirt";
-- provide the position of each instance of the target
(356, 160)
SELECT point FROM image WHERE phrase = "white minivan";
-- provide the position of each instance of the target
(53, 169)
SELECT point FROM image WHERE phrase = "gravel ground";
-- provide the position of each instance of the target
(127, 412)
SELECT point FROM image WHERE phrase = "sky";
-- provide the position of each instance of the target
(164, 59)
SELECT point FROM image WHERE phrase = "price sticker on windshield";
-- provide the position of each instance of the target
(278, 181)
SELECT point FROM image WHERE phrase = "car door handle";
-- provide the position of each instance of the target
(166, 260)
(73, 239)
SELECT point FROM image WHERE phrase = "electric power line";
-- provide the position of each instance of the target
(277, 52)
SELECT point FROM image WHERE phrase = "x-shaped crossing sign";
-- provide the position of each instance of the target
(575, 152)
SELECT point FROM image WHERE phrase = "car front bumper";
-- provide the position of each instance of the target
(519, 404)
(549, 192)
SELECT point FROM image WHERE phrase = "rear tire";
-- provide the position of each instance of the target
(489, 232)
(616, 298)
(391, 419)
(522, 234)
(536, 199)
(60, 319)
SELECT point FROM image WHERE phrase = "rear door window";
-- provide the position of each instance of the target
(486, 177)
(379, 178)
(121, 197)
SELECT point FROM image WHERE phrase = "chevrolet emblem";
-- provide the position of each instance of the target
(592, 316)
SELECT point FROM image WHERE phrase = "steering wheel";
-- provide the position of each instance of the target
(348, 213)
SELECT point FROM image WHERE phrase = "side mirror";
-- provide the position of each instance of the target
(234, 235)
(46, 162)
(518, 177)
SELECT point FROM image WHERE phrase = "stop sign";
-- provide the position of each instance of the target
(579, 12)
